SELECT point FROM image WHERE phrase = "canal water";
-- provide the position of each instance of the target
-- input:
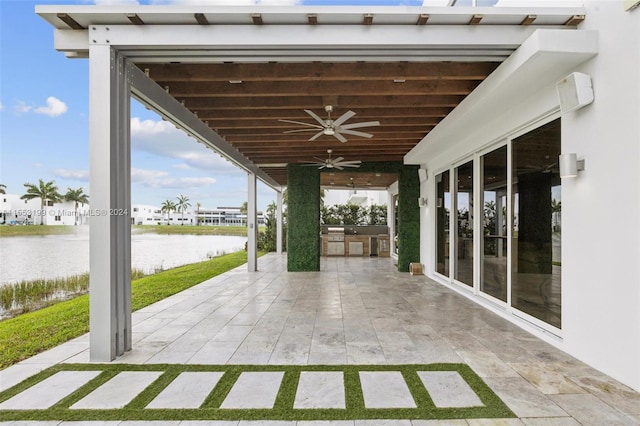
(50, 256)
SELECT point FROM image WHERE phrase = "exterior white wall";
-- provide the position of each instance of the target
(600, 208)
(17, 211)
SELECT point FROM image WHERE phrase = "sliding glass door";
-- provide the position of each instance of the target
(536, 227)
(443, 209)
(464, 224)
(493, 269)
(516, 259)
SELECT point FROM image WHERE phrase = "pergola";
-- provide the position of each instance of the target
(227, 75)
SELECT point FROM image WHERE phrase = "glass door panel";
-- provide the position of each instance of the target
(494, 242)
(536, 231)
(443, 208)
(464, 224)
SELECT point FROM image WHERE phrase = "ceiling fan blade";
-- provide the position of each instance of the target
(317, 135)
(362, 124)
(335, 166)
(351, 162)
(302, 123)
(340, 137)
(337, 160)
(300, 130)
(357, 133)
(344, 117)
(322, 167)
(316, 117)
(349, 165)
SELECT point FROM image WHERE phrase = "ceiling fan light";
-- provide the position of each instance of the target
(329, 132)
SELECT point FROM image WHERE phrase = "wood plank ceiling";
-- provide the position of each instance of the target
(243, 102)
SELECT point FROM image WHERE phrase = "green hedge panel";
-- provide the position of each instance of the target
(303, 218)
(408, 217)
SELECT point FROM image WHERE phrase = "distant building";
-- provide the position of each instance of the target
(14, 211)
(220, 216)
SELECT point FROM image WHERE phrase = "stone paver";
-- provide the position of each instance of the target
(188, 390)
(386, 316)
(320, 389)
(49, 391)
(385, 389)
(118, 391)
(449, 389)
(254, 390)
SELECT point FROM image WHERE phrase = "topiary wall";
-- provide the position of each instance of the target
(303, 218)
(408, 217)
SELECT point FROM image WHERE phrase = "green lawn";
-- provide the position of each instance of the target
(25, 230)
(192, 230)
(28, 334)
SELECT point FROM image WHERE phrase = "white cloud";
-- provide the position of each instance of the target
(82, 175)
(163, 139)
(54, 108)
(146, 176)
(21, 107)
(160, 179)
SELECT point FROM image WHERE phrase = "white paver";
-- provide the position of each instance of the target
(49, 391)
(449, 389)
(385, 389)
(118, 391)
(320, 389)
(188, 390)
(254, 390)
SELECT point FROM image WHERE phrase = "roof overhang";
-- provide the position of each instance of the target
(428, 46)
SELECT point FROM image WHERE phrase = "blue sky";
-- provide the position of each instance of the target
(44, 121)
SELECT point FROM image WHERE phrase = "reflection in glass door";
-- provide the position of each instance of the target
(443, 208)
(536, 229)
(494, 221)
(464, 224)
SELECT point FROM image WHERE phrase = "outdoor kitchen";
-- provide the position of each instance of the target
(362, 240)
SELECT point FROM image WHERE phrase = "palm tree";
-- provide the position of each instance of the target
(2, 188)
(168, 207)
(45, 191)
(182, 205)
(77, 196)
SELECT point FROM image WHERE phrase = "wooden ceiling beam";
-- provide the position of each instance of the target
(271, 123)
(320, 71)
(293, 138)
(319, 88)
(299, 115)
(354, 102)
(72, 23)
(376, 131)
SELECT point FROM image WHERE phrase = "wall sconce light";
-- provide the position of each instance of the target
(570, 165)
(422, 202)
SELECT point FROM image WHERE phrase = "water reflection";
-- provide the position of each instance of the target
(33, 257)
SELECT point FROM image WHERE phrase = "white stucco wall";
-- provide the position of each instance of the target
(600, 208)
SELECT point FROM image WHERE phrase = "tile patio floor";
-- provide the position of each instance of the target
(358, 311)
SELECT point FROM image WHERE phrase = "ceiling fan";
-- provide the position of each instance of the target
(332, 163)
(330, 127)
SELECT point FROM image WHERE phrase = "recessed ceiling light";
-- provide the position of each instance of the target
(399, 80)
(235, 81)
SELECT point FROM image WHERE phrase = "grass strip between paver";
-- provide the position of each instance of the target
(283, 407)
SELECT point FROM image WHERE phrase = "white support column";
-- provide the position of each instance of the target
(110, 228)
(252, 225)
(279, 222)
